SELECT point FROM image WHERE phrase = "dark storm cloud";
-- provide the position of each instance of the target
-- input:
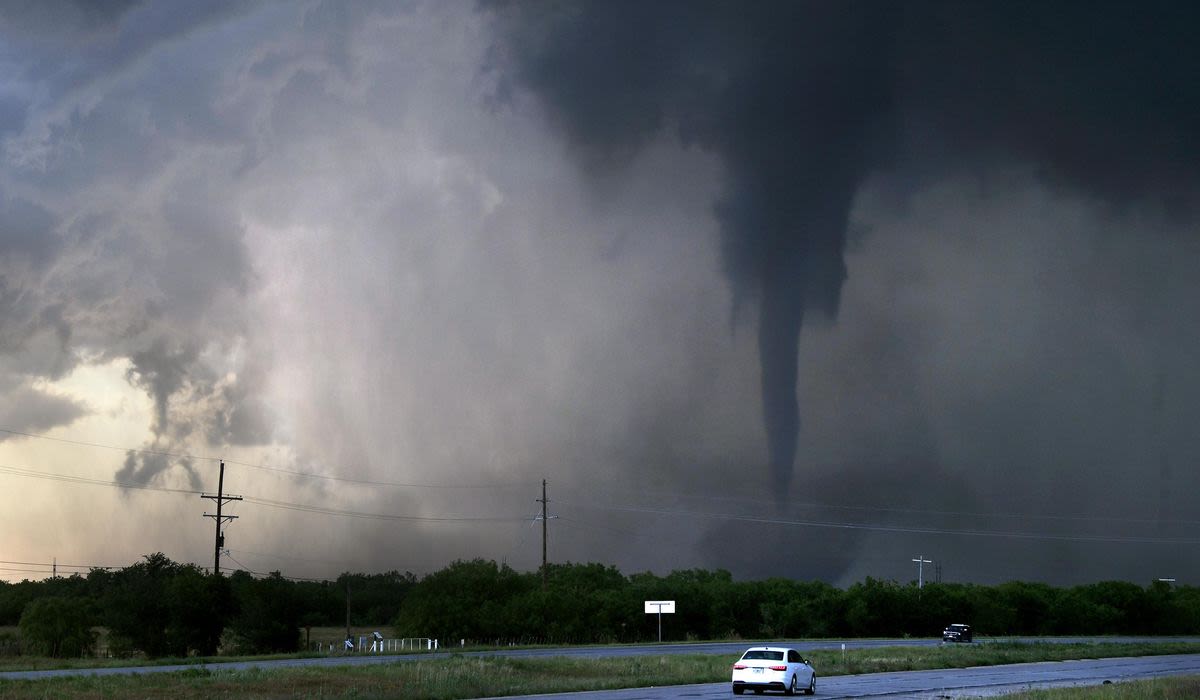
(57, 16)
(26, 233)
(162, 371)
(147, 467)
(803, 101)
(25, 408)
(312, 237)
(123, 246)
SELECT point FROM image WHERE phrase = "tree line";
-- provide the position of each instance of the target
(158, 607)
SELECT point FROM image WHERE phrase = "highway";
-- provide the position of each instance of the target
(733, 649)
(979, 682)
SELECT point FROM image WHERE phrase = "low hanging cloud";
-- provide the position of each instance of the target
(124, 248)
(26, 409)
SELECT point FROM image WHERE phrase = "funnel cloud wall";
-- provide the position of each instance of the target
(802, 101)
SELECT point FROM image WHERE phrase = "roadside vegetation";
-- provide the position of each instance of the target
(494, 676)
(158, 609)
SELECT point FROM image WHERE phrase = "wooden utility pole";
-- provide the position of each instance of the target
(221, 499)
(544, 501)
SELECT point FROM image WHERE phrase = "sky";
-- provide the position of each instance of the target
(795, 289)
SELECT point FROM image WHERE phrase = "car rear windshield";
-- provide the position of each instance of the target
(764, 655)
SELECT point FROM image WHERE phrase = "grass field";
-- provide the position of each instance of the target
(1177, 688)
(326, 635)
(469, 677)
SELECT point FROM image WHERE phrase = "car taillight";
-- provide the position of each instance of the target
(779, 668)
(738, 667)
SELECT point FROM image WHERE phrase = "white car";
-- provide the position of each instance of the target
(773, 668)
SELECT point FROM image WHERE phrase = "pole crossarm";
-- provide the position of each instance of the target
(921, 561)
(224, 518)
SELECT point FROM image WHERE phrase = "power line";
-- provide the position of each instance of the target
(25, 571)
(263, 467)
(283, 505)
(48, 567)
(260, 574)
(69, 478)
(753, 500)
(897, 528)
(62, 566)
(283, 558)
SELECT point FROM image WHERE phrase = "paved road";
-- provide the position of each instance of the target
(980, 682)
(733, 649)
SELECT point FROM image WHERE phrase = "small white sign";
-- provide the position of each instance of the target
(660, 606)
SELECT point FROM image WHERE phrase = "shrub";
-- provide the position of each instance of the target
(57, 627)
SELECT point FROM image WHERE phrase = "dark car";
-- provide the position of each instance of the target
(957, 633)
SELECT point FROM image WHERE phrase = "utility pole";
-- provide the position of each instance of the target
(347, 606)
(544, 518)
(921, 562)
(544, 501)
(221, 499)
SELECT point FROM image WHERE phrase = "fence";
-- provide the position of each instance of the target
(367, 644)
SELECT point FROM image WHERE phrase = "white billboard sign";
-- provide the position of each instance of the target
(660, 606)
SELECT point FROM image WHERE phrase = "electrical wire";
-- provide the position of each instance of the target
(70, 478)
(283, 558)
(283, 505)
(894, 528)
(263, 467)
(61, 566)
(751, 500)
(260, 574)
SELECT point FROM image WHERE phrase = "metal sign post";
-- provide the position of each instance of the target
(660, 607)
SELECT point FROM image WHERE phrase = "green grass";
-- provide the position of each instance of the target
(830, 663)
(488, 676)
(41, 663)
(1175, 688)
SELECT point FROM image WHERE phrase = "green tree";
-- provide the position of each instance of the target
(164, 608)
(269, 614)
(57, 627)
(199, 606)
(465, 600)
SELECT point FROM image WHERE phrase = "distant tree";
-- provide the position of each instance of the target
(1031, 606)
(199, 605)
(375, 598)
(465, 600)
(136, 608)
(324, 603)
(878, 608)
(1182, 604)
(164, 608)
(269, 614)
(13, 599)
(57, 627)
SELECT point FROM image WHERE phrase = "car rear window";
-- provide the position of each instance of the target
(764, 655)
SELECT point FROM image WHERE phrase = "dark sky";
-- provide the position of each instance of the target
(803, 289)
